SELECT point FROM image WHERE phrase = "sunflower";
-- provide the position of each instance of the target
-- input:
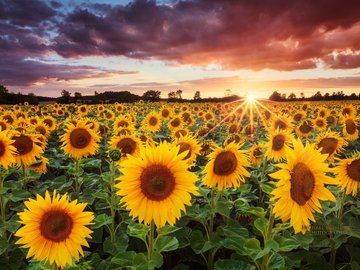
(7, 150)
(93, 124)
(348, 111)
(320, 123)
(50, 122)
(207, 147)
(282, 122)
(236, 138)
(8, 118)
(348, 172)
(3, 125)
(122, 122)
(182, 132)
(279, 142)
(175, 123)
(226, 167)
(323, 112)
(299, 115)
(189, 145)
(156, 185)
(40, 165)
(54, 229)
(152, 122)
(27, 148)
(350, 128)
(304, 129)
(301, 185)
(82, 110)
(42, 129)
(80, 140)
(128, 144)
(165, 113)
(256, 153)
(330, 143)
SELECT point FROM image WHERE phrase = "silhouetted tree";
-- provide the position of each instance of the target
(275, 96)
(302, 95)
(172, 95)
(292, 96)
(65, 96)
(152, 95)
(197, 95)
(179, 93)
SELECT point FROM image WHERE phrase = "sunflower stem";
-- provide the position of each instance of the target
(24, 175)
(112, 202)
(2, 203)
(211, 252)
(77, 183)
(151, 240)
(339, 214)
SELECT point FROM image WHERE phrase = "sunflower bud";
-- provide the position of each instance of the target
(115, 154)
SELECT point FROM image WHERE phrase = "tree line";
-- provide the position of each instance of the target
(339, 95)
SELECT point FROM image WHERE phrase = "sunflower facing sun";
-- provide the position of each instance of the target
(226, 167)
(80, 140)
(156, 185)
(348, 172)
(301, 185)
(54, 229)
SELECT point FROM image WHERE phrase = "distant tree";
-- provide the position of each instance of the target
(3, 94)
(197, 95)
(96, 93)
(32, 99)
(152, 95)
(317, 96)
(353, 96)
(283, 96)
(172, 95)
(275, 96)
(326, 96)
(302, 95)
(292, 96)
(179, 93)
(65, 96)
(227, 93)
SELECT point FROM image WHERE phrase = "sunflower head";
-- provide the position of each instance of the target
(127, 144)
(279, 142)
(7, 150)
(348, 172)
(54, 229)
(152, 122)
(350, 128)
(226, 167)
(189, 145)
(330, 143)
(156, 185)
(27, 148)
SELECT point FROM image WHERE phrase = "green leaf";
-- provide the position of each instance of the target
(224, 208)
(277, 261)
(101, 195)
(261, 224)
(355, 265)
(287, 244)
(252, 247)
(138, 230)
(92, 163)
(167, 229)
(266, 188)
(166, 243)
(18, 195)
(101, 220)
(3, 245)
(233, 265)
(124, 259)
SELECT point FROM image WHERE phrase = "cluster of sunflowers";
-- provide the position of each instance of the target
(165, 154)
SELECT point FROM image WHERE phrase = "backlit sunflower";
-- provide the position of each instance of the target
(79, 140)
(128, 144)
(236, 138)
(282, 122)
(350, 128)
(7, 150)
(330, 143)
(257, 153)
(299, 115)
(348, 172)
(189, 145)
(301, 185)
(279, 142)
(304, 128)
(156, 185)
(348, 111)
(226, 167)
(152, 122)
(180, 132)
(27, 148)
(54, 229)
(207, 147)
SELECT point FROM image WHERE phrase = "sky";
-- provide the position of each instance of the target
(250, 47)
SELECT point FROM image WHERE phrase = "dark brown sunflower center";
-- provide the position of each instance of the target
(225, 163)
(353, 170)
(180, 132)
(80, 138)
(3, 126)
(186, 116)
(350, 126)
(33, 121)
(208, 116)
(83, 109)
(346, 111)
(41, 130)
(302, 183)
(330, 120)
(56, 226)
(2, 148)
(305, 128)
(278, 142)
(127, 145)
(48, 122)
(297, 117)
(123, 123)
(23, 144)
(185, 147)
(153, 121)
(267, 115)
(328, 145)
(322, 113)
(8, 119)
(279, 124)
(175, 122)
(257, 152)
(157, 182)
(234, 138)
(91, 124)
(320, 123)
(165, 113)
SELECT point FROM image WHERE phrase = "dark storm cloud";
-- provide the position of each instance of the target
(258, 34)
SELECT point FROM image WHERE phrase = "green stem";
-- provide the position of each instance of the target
(268, 236)
(77, 183)
(151, 237)
(341, 210)
(112, 201)
(2, 203)
(211, 252)
(24, 174)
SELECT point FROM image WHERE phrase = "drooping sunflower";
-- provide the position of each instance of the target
(348, 172)
(330, 143)
(27, 148)
(207, 147)
(156, 185)
(79, 140)
(128, 144)
(301, 185)
(54, 229)
(40, 165)
(226, 167)
(7, 150)
(350, 128)
(152, 122)
(279, 142)
(257, 153)
(190, 145)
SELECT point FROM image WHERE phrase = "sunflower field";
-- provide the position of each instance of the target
(241, 185)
